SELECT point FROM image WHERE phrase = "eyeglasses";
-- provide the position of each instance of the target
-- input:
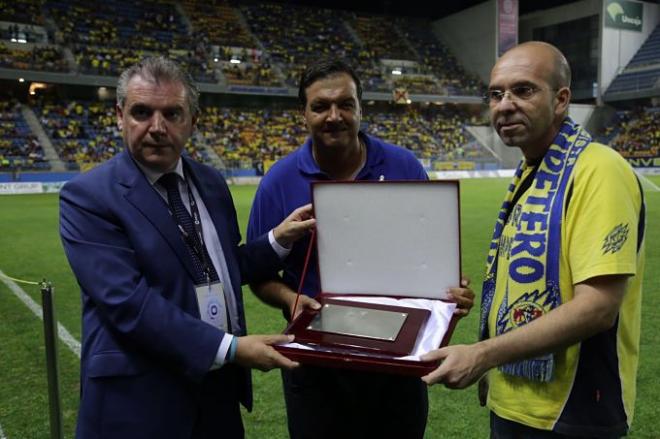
(522, 92)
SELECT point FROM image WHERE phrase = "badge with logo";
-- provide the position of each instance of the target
(615, 239)
(211, 301)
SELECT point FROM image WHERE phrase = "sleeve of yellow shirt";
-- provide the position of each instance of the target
(603, 215)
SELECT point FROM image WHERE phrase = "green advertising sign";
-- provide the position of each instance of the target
(624, 14)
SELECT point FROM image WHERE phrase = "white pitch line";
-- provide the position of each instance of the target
(62, 332)
(2, 433)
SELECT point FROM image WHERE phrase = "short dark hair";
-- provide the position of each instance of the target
(159, 68)
(322, 69)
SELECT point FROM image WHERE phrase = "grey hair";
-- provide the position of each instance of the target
(158, 68)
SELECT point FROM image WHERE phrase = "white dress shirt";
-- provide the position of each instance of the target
(213, 246)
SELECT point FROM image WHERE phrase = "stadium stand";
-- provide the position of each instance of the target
(273, 43)
(248, 72)
(436, 59)
(217, 23)
(296, 35)
(636, 133)
(634, 81)
(243, 137)
(19, 148)
(221, 34)
(85, 133)
(32, 57)
(107, 37)
(649, 53)
(382, 38)
(643, 71)
(21, 12)
(24, 34)
(146, 25)
(436, 133)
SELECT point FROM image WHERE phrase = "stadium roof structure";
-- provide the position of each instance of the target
(423, 8)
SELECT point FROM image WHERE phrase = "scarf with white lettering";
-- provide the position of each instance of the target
(532, 283)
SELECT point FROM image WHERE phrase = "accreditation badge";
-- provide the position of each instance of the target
(211, 301)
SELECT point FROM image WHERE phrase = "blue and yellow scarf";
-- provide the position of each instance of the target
(532, 285)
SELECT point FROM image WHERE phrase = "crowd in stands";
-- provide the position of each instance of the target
(431, 133)
(105, 37)
(25, 12)
(19, 148)
(416, 84)
(85, 134)
(636, 133)
(82, 134)
(147, 25)
(273, 42)
(382, 38)
(249, 74)
(106, 61)
(47, 58)
(296, 35)
(217, 24)
(242, 137)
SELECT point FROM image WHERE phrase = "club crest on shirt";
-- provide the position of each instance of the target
(615, 239)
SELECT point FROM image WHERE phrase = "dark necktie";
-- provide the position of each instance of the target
(170, 182)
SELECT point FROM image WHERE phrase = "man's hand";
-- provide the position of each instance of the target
(461, 366)
(295, 226)
(256, 352)
(277, 293)
(463, 296)
(304, 302)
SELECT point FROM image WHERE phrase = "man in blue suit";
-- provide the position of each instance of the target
(153, 240)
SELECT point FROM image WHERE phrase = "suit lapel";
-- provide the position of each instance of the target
(146, 200)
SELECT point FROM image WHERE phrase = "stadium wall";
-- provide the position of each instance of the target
(619, 46)
(560, 14)
(37, 176)
(475, 49)
(41, 187)
(616, 48)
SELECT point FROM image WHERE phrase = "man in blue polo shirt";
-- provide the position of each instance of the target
(330, 402)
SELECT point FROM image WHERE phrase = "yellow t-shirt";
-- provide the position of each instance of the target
(593, 388)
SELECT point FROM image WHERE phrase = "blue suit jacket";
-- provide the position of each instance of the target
(145, 353)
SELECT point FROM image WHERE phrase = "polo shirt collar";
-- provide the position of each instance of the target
(307, 164)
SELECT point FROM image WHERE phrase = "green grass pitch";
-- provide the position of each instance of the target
(30, 249)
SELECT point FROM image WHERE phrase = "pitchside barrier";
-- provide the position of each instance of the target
(52, 364)
(44, 187)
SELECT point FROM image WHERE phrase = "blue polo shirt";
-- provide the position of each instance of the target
(286, 187)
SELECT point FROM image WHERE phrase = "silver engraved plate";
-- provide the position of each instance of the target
(358, 322)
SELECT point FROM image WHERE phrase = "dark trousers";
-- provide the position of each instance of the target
(222, 418)
(334, 403)
(501, 428)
